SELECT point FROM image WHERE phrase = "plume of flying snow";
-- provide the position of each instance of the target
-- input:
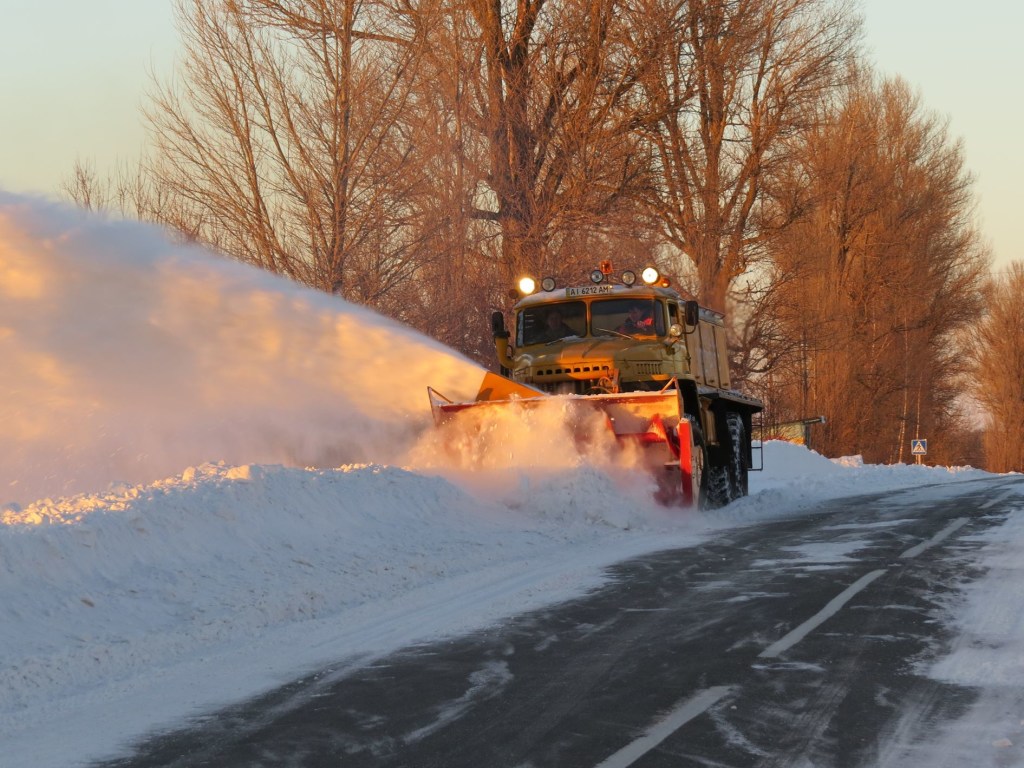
(129, 357)
(508, 452)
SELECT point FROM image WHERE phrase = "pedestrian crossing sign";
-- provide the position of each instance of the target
(919, 447)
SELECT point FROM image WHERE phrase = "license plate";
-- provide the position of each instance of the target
(587, 290)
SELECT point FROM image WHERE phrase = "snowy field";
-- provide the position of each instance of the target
(212, 480)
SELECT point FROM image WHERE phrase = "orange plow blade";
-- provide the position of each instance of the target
(652, 420)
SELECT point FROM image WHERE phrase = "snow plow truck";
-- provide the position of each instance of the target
(651, 363)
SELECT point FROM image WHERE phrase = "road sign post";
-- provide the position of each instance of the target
(919, 448)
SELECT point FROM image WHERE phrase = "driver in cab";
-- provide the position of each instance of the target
(638, 322)
(555, 327)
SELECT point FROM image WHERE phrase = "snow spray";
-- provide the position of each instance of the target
(128, 357)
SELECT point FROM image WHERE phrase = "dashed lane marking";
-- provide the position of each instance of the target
(798, 634)
(661, 730)
(1002, 497)
(703, 701)
(945, 533)
(821, 616)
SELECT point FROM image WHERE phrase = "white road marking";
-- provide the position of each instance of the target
(821, 616)
(997, 499)
(661, 730)
(847, 594)
(703, 701)
(956, 525)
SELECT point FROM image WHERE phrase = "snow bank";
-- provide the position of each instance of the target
(989, 614)
(796, 478)
(196, 590)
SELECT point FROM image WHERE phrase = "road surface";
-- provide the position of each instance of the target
(790, 643)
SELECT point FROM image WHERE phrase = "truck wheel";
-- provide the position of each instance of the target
(719, 486)
(738, 479)
(701, 468)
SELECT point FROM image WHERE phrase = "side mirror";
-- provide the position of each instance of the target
(691, 312)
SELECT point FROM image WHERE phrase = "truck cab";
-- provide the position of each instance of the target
(566, 342)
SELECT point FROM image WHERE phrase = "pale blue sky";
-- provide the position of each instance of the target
(967, 61)
(73, 75)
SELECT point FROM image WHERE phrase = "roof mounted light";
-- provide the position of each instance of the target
(527, 285)
(597, 276)
(650, 276)
(547, 284)
(628, 277)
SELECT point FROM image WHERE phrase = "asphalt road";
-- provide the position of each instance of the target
(791, 643)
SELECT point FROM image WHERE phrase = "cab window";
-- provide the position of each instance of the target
(629, 317)
(673, 314)
(551, 322)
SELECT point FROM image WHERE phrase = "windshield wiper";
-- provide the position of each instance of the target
(617, 333)
(555, 341)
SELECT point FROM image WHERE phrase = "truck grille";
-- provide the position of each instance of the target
(588, 371)
(569, 379)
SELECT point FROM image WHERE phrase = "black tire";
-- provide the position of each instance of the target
(739, 485)
(727, 475)
(702, 469)
(719, 486)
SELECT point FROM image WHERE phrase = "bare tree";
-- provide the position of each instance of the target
(359, 146)
(284, 138)
(524, 113)
(131, 191)
(877, 271)
(998, 372)
(734, 82)
(85, 188)
(553, 96)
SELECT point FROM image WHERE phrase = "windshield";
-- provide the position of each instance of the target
(608, 317)
(551, 322)
(630, 317)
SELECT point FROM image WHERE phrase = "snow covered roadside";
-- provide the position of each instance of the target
(127, 610)
(987, 656)
(129, 358)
